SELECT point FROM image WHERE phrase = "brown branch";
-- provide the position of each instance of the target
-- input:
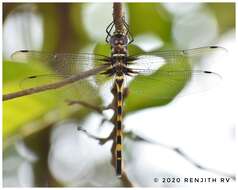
(118, 17)
(119, 28)
(196, 164)
(55, 85)
(101, 140)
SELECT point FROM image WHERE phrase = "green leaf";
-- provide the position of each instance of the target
(13, 71)
(134, 50)
(77, 23)
(225, 14)
(102, 49)
(150, 18)
(51, 21)
(41, 108)
(157, 89)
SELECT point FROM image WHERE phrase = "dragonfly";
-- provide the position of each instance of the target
(167, 67)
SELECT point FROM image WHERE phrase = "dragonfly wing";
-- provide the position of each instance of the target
(162, 87)
(171, 54)
(65, 63)
(154, 60)
(34, 81)
(175, 78)
(168, 84)
(170, 71)
(84, 90)
(97, 82)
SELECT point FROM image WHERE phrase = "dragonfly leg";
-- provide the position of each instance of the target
(109, 26)
(128, 31)
(109, 30)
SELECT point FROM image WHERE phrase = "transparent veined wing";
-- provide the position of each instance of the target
(63, 66)
(171, 63)
(161, 75)
(64, 63)
(168, 84)
(84, 90)
(154, 60)
(166, 74)
(171, 54)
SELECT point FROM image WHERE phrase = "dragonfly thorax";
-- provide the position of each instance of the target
(118, 39)
(119, 44)
(119, 66)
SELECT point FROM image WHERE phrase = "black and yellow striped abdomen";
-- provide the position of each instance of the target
(119, 86)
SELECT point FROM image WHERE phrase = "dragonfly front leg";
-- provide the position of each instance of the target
(109, 30)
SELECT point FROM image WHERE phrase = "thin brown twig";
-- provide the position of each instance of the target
(172, 148)
(142, 139)
(180, 152)
(101, 140)
(118, 17)
(196, 164)
(55, 85)
(85, 104)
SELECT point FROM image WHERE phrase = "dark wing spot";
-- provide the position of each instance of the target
(32, 77)
(213, 47)
(24, 51)
(207, 72)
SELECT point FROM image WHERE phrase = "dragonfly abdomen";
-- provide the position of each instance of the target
(119, 86)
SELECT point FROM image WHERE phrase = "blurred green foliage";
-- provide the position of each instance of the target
(64, 32)
(157, 92)
(225, 14)
(150, 18)
(33, 109)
